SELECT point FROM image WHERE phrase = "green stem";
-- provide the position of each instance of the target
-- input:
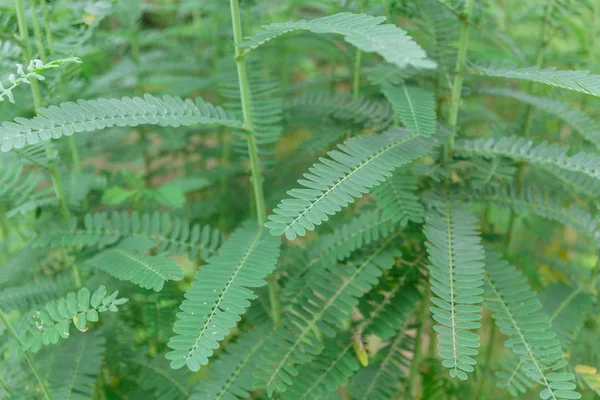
(37, 33)
(386, 10)
(24, 37)
(5, 388)
(529, 118)
(47, 30)
(37, 99)
(26, 353)
(416, 360)
(61, 86)
(458, 78)
(356, 78)
(256, 177)
(357, 64)
(486, 364)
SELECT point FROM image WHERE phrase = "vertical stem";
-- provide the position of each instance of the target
(26, 353)
(356, 78)
(24, 36)
(528, 120)
(256, 177)
(61, 88)
(37, 101)
(416, 360)
(5, 388)
(357, 63)
(47, 30)
(486, 364)
(386, 10)
(458, 77)
(37, 33)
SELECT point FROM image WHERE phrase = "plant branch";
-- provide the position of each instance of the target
(256, 177)
(458, 78)
(26, 353)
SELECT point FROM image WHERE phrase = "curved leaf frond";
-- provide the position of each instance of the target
(578, 81)
(578, 119)
(380, 381)
(397, 200)
(568, 308)
(385, 316)
(361, 30)
(456, 271)
(92, 115)
(533, 200)
(128, 261)
(542, 153)
(77, 366)
(517, 312)
(414, 105)
(54, 319)
(342, 106)
(220, 293)
(170, 235)
(325, 307)
(360, 163)
(231, 375)
(157, 377)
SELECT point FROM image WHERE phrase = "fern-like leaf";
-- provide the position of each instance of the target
(516, 310)
(361, 230)
(535, 201)
(542, 154)
(170, 235)
(92, 115)
(325, 307)
(77, 366)
(128, 261)
(230, 376)
(385, 315)
(54, 319)
(220, 293)
(28, 295)
(578, 81)
(376, 114)
(414, 105)
(456, 271)
(397, 200)
(578, 119)
(360, 163)
(360, 30)
(380, 381)
(157, 377)
(568, 308)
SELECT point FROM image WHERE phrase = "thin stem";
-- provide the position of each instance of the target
(24, 36)
(26, 353)
(5, 388)
(416, 360)
(458, 78)
(357, 64)
(256, 177)
(61, 87)
(486, 364)
(47, 30)
(37, 33)
(274, 299)
(356, 78)
(386, 10)
(529, 118)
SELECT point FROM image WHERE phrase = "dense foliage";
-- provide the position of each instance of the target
(342, 199)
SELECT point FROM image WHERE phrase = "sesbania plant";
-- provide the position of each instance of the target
(356, 200)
